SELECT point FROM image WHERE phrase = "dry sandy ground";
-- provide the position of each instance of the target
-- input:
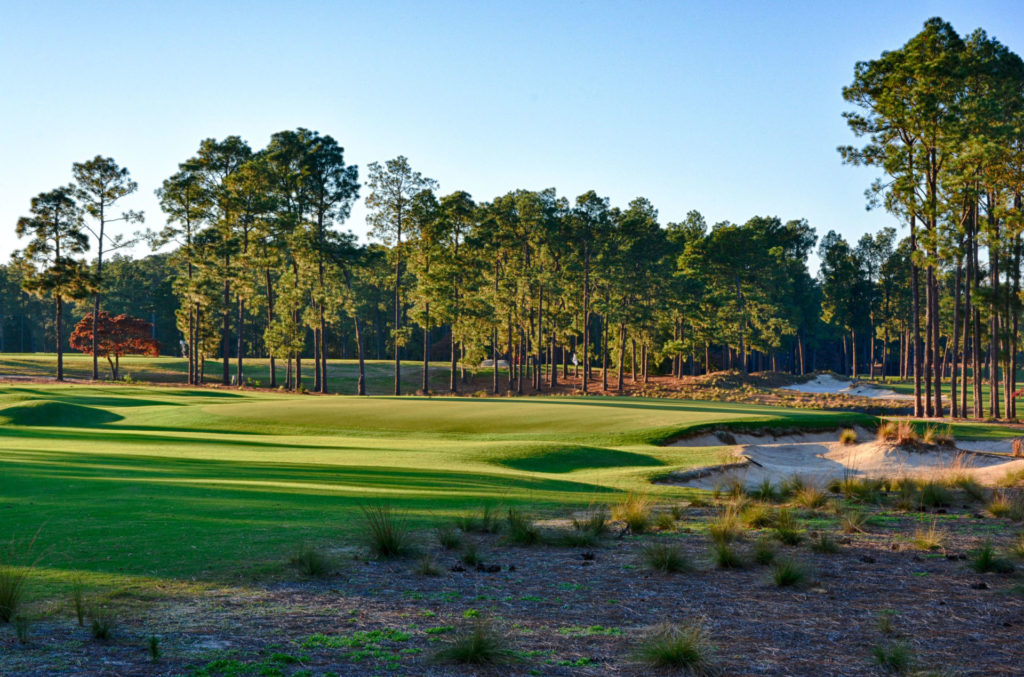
(820, 457)
(827, 383)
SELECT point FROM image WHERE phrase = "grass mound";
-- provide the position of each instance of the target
(53, 413)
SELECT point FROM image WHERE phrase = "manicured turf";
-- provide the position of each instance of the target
(142, 484)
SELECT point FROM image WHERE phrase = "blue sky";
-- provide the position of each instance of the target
(730, 108)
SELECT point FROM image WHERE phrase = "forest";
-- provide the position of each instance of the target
(253, 259)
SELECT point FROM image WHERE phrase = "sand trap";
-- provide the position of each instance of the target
(820, 457)
(829, 384)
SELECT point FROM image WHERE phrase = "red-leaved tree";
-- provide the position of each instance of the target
(117, 335)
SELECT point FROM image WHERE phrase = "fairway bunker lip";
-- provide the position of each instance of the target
(819, 457)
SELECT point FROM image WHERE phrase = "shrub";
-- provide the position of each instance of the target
(786, 528)
(848, 436)
(852, 521)
(311, 562)
(895, 657)
(999, 506)
(426, 566)
(449, 537)
(387, 532)
(764, 551)
(757, 515)
(678, 647)
(726, 525)
(725, 556)
(928, 539)
(521, 529)
(810, 497)
(986, 560)
(935, 495)
(635, 511)
(665, 557)
(824, 544)
(479, 646)
(789, 573)
(101, 624)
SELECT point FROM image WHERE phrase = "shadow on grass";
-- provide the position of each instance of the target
(567, 458)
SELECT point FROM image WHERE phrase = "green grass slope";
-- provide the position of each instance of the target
(139, 484)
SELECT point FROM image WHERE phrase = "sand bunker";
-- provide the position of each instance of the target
(827, 383)
(820, 457)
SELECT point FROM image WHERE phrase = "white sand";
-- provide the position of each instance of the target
(821, 457)
(827, 383)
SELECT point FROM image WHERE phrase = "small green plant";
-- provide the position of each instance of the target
(521, 529)
(986, 560)
(824, 544)
(387, 531)
(935, 495)
(895, 657)
(788, 573)
(153, 646)
(725, 556)
(22, 628)
(848, 436)
(678, 647)
(471, 554)
(449, 537)
(757, 515)
(635, 511)
(764, 551)
(787, 530)
(101, 623)
(930, 538)
(725, 527)
(481, 645)
(885, 621)
(665, 557)
(311, 562)
(426, 566)
(852, 521)
(810, 497)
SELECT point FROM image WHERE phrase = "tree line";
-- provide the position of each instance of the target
(258, 264)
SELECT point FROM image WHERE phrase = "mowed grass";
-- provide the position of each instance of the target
(166, 486)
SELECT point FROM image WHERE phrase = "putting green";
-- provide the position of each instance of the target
(127, 483)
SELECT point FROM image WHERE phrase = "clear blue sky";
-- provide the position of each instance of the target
(729, 108)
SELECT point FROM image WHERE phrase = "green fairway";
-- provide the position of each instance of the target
(136, 483)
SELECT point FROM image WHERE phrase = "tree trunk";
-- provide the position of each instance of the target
(238, 358)
(226, 331)
(60, 336)
(620, 386)
(270, 320)
(398, 324)
(426, 348)
(954, 409)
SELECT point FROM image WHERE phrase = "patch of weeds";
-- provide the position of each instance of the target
(310, 562)
(470, 613)
(810, 497)
(521, 529)
(439, 629)
(725, 527)
(665, 557)
(895, 657)
(789, 573)
(787, 529)
(635, 511)
(678, 647)
(426, 566)
(387, 531)
(758, 515)
(361, 639)
(824, 544)
(852, 521)
(935, 495)
(471, 554)
(725, 556)
(481, 645)
(764, 551)
(986, 560)
(591, 631)
(449, 537)
(930, 538)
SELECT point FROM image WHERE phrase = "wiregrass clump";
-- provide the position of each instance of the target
(635, 511)
(487, 520)
(725, 556)
(587, 529)
(787, 529)
(14, 577)
(726, 527)
(685, 647)
(930, 538)
(521, 529)
(848, 436)
(895, 657)
(310, 562)
(481, 645)
(387, 531)
(668, 558)
(987, 560)
(789, 573)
